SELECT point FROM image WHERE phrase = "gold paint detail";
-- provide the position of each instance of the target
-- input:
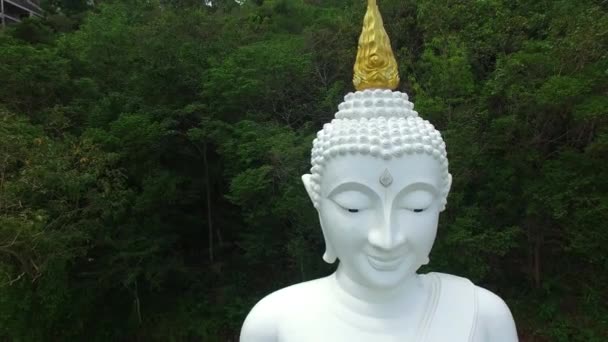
(375, 67)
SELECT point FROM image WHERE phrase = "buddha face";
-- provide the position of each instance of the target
(379, 217)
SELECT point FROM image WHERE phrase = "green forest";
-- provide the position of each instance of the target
(151, 154)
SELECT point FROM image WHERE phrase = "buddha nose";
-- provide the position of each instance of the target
(386, 235)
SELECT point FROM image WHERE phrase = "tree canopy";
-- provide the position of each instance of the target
(151, 154)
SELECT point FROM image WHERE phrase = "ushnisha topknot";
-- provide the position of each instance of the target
(375, 66)
(379, 123)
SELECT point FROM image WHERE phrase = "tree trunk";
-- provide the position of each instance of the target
(208, 196)
(537, 257)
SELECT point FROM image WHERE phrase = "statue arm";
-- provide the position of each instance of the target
(495, 322)
(260, 324)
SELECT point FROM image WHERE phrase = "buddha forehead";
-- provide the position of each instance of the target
(380, 175)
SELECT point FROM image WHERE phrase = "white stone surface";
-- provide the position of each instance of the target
(379, 214)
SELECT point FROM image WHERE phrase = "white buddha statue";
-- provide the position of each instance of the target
(379, 180)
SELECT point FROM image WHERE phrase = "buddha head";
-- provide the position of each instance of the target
(379, 175)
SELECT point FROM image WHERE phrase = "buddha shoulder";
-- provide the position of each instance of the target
(264, 319)
(495, 322)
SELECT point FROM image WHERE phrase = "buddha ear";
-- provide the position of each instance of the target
(307, 180)
(329, 256)
(449, 182)
(444, 200)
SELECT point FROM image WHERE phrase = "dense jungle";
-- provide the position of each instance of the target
(151, 154)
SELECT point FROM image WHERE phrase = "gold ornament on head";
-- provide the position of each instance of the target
(375, 66)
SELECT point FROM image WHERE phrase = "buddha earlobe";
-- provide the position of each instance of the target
(426, 261)
(329, 256)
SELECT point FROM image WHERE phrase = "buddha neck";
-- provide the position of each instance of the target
(378, 302)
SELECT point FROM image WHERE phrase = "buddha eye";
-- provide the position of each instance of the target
(352, 201)
(416, 201)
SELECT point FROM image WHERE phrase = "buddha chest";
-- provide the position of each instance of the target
(448, 314)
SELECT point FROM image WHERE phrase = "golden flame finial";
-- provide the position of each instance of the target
(375, 66)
